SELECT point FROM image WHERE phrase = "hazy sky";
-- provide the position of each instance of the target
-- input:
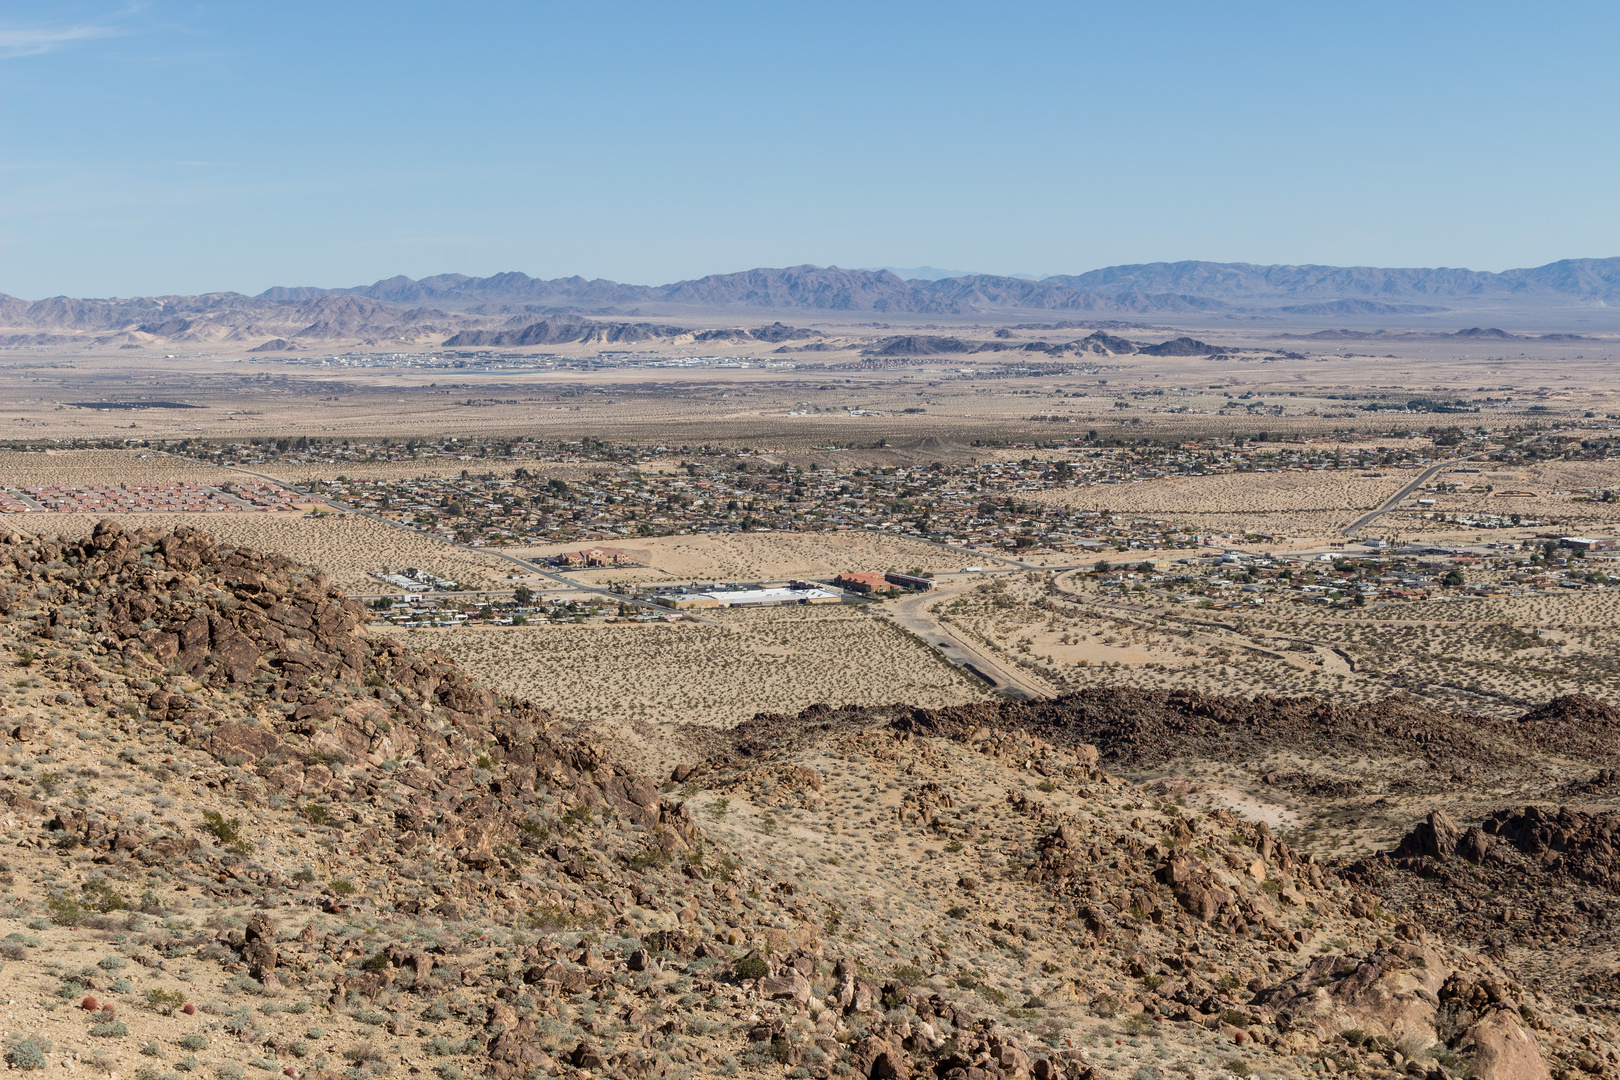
(153, 147)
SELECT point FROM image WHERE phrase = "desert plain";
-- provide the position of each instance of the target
(1209, 682)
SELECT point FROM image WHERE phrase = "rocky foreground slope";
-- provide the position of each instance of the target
(244, 835)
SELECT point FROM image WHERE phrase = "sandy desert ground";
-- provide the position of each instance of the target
(763, 556)
(1281, 504)
(639, 683)
(344, 545)
(28, 468)
(1567, 493)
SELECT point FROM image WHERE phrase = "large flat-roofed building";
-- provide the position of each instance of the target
(1588, 543)
(772, 597)
(686, 600)
(799, 594)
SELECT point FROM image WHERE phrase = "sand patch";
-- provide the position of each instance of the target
(346, 546)
(763, 556)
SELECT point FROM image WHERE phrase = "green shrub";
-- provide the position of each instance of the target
(165, 1001)
(115, 1030)
(194, 1042)
(64, 910)
(751, 967)
(228, 832)
(100, 896)
(152, 1050)
(342, 886)
(112, 963)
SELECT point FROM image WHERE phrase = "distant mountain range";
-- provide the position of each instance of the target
(1145, 288)
(432, 309)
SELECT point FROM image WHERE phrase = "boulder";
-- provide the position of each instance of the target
(1502, 1050)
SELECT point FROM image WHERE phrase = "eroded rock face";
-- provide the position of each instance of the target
(1500, 1049)
(1394, 993)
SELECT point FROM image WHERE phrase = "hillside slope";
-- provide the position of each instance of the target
(246, 833)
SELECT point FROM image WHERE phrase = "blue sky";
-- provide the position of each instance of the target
(153, 147)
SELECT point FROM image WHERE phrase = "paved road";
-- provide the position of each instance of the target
(911, 612)
(1395, 500)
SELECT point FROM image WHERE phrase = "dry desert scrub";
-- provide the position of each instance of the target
(345, 546)
(767, 556)
(644, 680)
(28, 468)
(1295, 503)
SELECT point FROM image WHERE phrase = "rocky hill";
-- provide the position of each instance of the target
(242, 833)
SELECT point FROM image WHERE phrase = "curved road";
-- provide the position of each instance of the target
(911, 612)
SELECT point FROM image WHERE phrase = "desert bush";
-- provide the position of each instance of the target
(194, 1042)
(117, 1029)
(227, 832)
(751, 967)
(165, 1001)
(64, 910)
(101, 897)
(28, 1052)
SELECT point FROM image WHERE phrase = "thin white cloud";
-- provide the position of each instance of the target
(33, 40)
